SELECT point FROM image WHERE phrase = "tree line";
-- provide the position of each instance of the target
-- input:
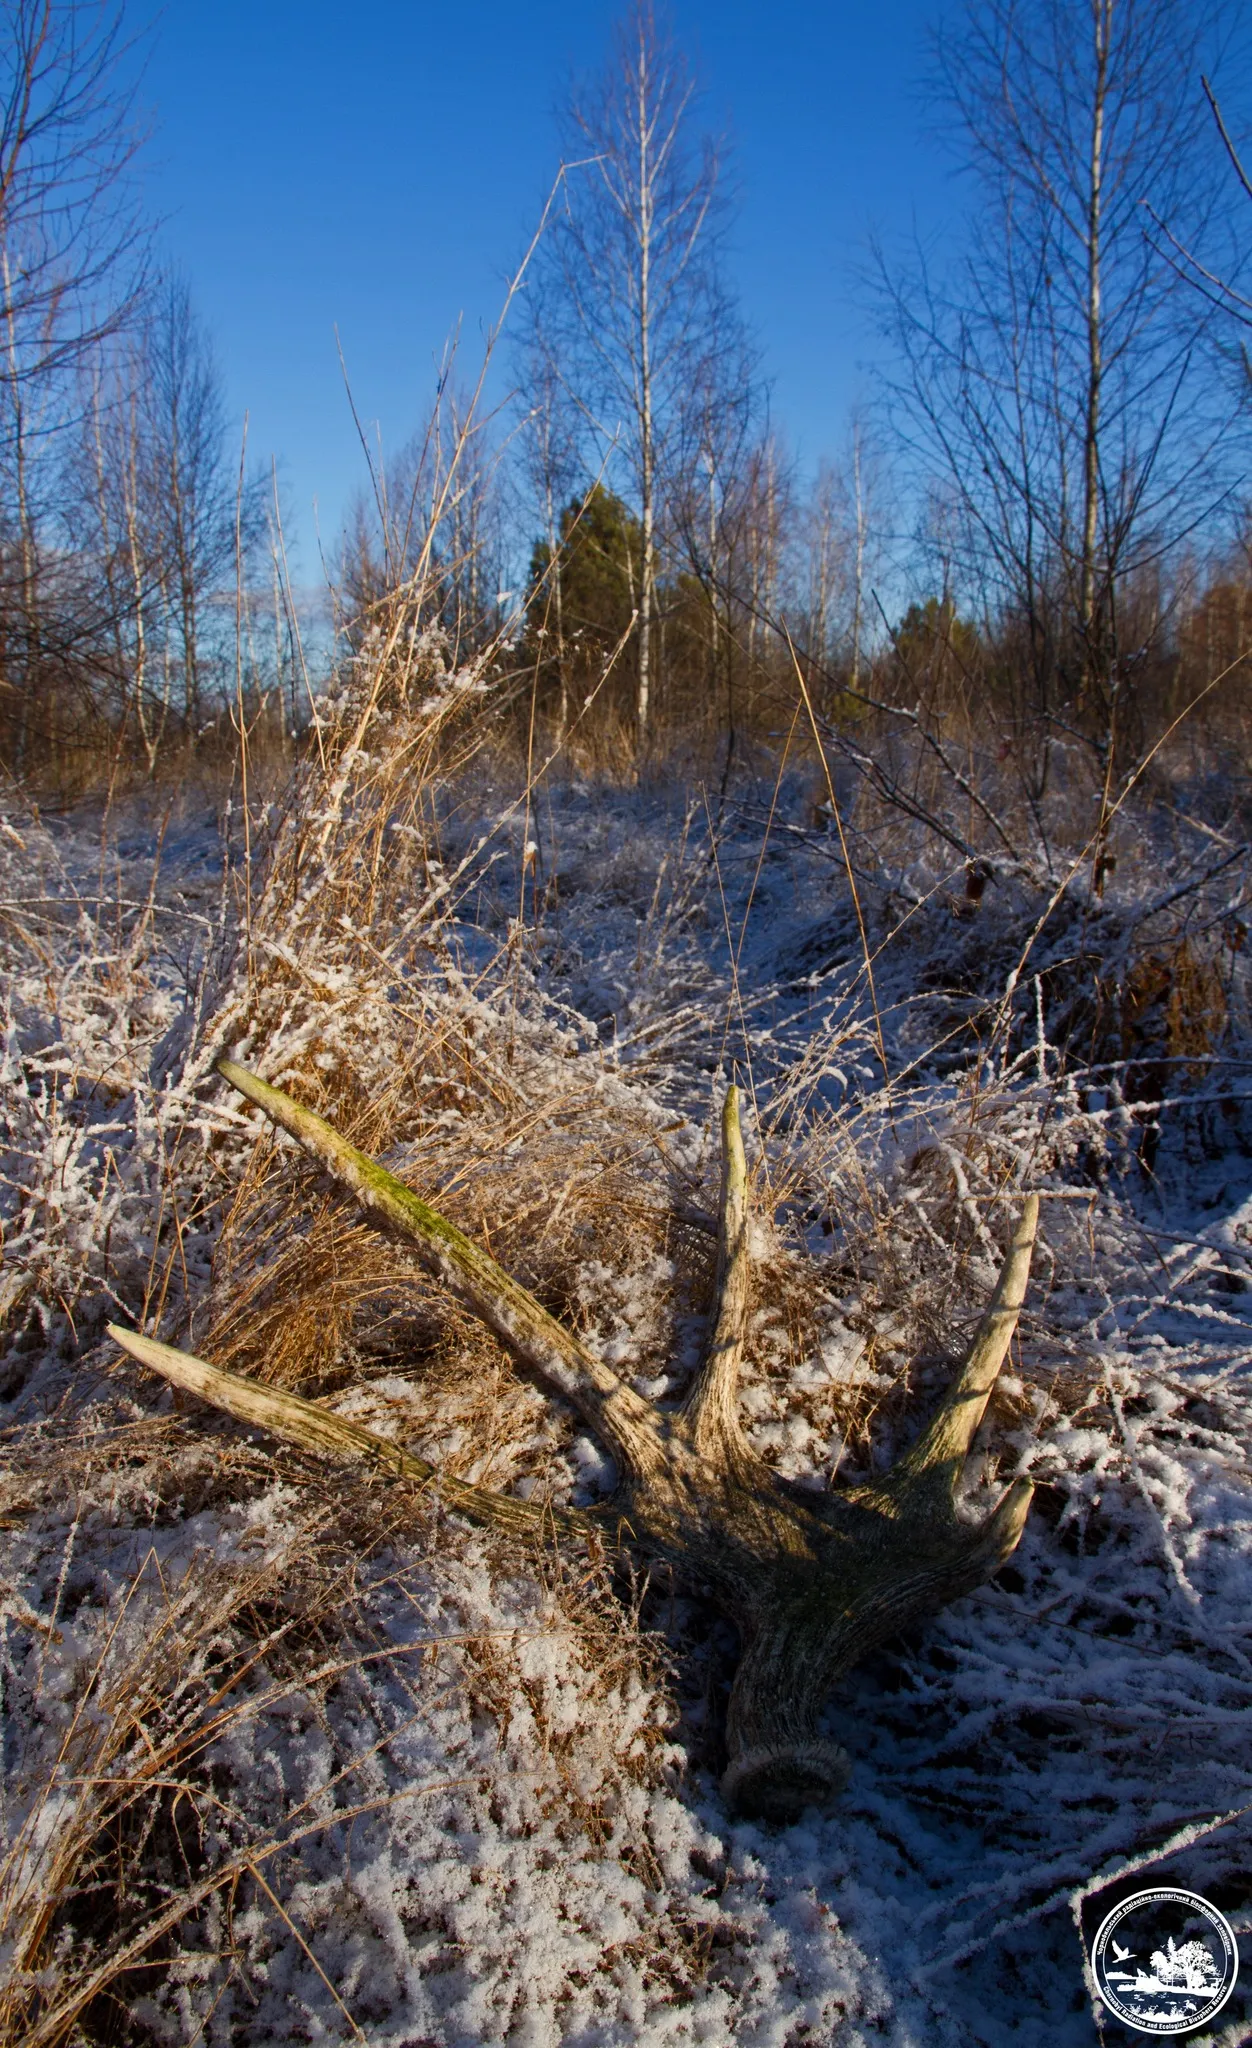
(1036, 533)
(1034, 539)
(128, 530)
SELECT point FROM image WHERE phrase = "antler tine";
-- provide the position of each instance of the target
(1001, 1533)
(945, 1445)
(619, 1415)
(712, 1404)
(315, 1428)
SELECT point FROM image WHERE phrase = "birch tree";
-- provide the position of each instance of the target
(626, 287)
(841, 526)
(72, 263)
(192, 480)
(551, 471)
(159, 475)
(1057, 386)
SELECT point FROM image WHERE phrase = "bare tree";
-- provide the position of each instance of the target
(626, 289)
(72, 261)
(551, 471)
(840, 530)
(713, 514)
(432, 521)
(72, 236)
(1058, 385)
(152, 512)
(119, 547)
(191, 479)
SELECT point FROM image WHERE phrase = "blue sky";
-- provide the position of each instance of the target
(380, 167)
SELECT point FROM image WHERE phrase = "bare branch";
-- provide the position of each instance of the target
(1222, 130)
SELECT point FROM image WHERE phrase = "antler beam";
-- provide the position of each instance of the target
(619, 1416)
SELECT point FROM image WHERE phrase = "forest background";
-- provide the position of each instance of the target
(1033, 533)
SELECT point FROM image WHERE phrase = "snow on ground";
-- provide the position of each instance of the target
(463, 1797)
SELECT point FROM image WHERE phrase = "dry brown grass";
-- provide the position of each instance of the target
(348, 991)
(345, 990)
(138, 1844)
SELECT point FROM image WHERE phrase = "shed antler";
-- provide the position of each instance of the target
(813, 1582)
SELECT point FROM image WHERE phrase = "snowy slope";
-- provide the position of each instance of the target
(434, 1793)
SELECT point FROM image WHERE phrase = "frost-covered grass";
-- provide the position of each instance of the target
(293, 1756)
